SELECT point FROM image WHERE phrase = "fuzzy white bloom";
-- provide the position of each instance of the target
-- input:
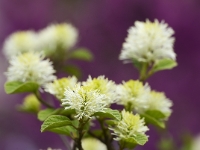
(148, 41)
(30, 67)
(84, 101)
(129, 126)
(58, 36)
(93, 144)
(133, 94)
(57, 87)
(20, 42)
(158, 101)
(103, 85)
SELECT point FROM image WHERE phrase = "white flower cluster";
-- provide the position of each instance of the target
(100, 84)
(58, 36)
(89, 97)
(84, 101)
(158, 101)
(129, 126)
(50, 40)
(30, 67)
(148, 42)
(103, 85)
(133, 94)
(136, 96)
(57, 87)
(20, 42)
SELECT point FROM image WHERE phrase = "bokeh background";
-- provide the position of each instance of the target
(103, 27)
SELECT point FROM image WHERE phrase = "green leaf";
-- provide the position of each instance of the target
(75, 123)
(137, 64)
(55, 121)
(128, 144)
(164, 64)
(109, 113)
(19, 87)
(43, 114)
(156, 114)
(141, 139)
(81, 54)
(66, 130)
(72, 70)
(154, 117)
(30, 104)
(138, 139)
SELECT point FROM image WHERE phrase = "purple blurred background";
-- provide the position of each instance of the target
(103, 26)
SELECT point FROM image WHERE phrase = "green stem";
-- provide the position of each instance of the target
(79, 143)
(150, 73)
(121, 145)
(129, 107)
(81, 133)
(143, 72)
(107, 138)
(37, 94)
